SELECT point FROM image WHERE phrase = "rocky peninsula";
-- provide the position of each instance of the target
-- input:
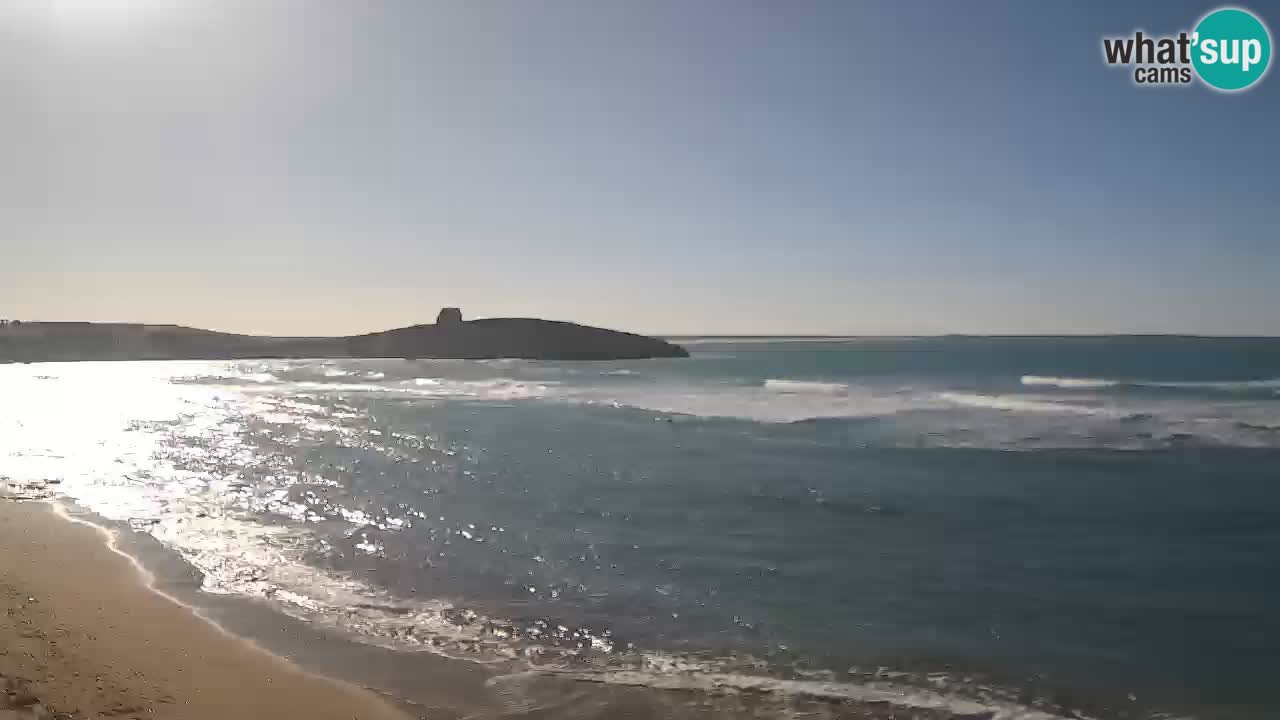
(449, 337)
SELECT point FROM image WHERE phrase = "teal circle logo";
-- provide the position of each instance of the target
(1231, 49)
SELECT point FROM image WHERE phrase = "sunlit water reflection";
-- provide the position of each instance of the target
(579, 518)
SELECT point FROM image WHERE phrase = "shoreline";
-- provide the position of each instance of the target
(87, 634)
(104, 622)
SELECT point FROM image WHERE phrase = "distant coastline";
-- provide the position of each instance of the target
(448, 337)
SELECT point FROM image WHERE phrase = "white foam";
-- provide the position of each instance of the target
(1012, 403)
(261, 378)
(805, 386)
(758, 403)
(338, 387)
(1225, 385)
(1094, 383)
(1064, 382)
(673, 673)
(501, 389)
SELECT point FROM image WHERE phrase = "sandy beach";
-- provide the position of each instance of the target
(83, 636)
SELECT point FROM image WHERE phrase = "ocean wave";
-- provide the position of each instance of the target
(498, 389)
(805, 386)
(237, 556)
(242, 557)
(503, 389)
(1019, 404)
(337, 387)
(880, 412)
(674, 673)
(1095, 383)
(1224, 385)
(220, 378)
(1063, 382)
(757, 403)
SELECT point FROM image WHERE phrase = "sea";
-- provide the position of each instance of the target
(1009, 528)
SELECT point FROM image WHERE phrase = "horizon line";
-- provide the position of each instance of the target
(721, 336)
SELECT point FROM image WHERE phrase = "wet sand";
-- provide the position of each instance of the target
(83, 636)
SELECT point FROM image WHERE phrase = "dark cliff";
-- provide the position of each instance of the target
(453, 338)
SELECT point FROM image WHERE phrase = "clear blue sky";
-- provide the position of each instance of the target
(658, 166)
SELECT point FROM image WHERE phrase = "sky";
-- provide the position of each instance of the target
(667, 167)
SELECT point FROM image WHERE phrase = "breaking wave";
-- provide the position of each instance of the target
(1071, 383)
(805, 386)
(1018, 404)
(1083, 414)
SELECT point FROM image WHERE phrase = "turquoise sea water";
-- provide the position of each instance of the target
(1035, 526)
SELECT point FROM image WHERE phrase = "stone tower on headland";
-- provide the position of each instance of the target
(449, 316)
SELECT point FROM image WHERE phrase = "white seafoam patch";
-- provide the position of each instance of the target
(1024, 404)
(806, 386)
(1072, 383)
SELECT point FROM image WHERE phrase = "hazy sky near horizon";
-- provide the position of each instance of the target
(660, 166)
